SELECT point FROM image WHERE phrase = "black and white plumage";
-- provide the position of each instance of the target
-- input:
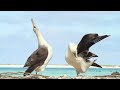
(87, 41)
(39, 59)
(90, 55)
(36, 59)
(78, 55)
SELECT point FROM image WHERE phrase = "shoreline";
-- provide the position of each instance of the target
(58, 66)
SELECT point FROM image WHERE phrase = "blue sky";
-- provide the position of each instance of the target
(18, 41)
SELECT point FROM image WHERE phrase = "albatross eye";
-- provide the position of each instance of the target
(37, 53)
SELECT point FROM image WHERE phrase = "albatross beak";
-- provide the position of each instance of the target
(34, 26)
(33, 23)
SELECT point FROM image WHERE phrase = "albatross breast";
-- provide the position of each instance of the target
(77, 62)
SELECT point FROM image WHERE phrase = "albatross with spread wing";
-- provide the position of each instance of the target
(78, 55)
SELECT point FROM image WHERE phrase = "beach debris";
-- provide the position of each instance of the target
(115, 73)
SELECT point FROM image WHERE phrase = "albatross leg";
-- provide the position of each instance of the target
(36, 72)
(78, 74)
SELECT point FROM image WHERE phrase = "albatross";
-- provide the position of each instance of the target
(78, 55)
(39, 59)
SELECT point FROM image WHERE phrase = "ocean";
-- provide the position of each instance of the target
(64, 71)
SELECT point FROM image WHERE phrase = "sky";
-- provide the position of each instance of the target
(59, 28)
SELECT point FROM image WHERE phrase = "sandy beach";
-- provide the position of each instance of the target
(7, 75)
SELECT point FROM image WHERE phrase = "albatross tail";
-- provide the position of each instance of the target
(96, 65)
(30, 69)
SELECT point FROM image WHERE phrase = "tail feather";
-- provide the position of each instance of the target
(30, 69)
(96, 65)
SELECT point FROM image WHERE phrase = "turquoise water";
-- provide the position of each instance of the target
(68, 71)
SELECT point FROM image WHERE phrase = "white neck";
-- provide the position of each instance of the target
(41, 40)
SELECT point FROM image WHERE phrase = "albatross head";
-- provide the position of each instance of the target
(35, 29)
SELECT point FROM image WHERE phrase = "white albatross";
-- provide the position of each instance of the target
(39, 59)
(78, 55)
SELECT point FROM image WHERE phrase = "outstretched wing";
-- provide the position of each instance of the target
(95, 40)
(88, 40)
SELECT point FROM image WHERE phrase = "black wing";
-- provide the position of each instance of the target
(36, 59)
(88, 40)
(30, 59)
(30, 69)
(90, 55)
(95, 40)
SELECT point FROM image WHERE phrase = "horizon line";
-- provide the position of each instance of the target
(60, 64)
